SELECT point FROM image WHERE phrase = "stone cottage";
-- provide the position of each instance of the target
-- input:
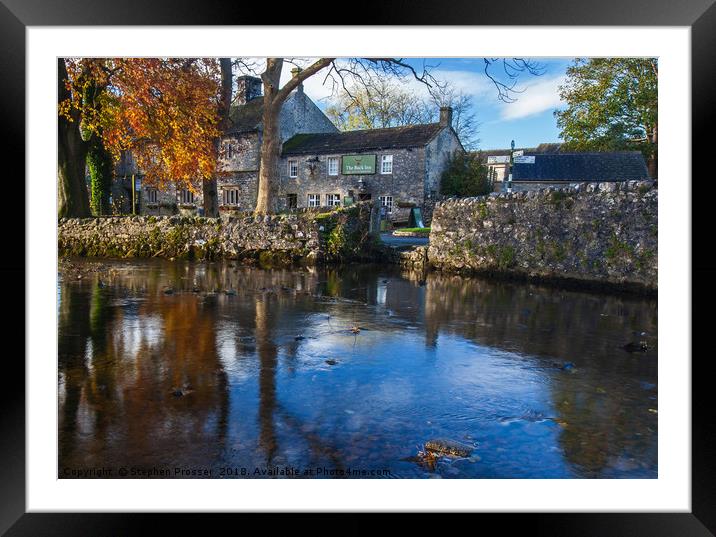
(399, 167)
(319, 166)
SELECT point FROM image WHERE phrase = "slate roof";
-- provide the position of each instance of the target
(246, 117)
(541, 148)
(363, 140)
(613, 166)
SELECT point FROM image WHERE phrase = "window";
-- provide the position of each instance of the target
(229, 151)
(291, 201)
(386, 164)
(186, 196)
(333, 200)
(293, 168)
(151, 195)
(231, 196)
(387, 202)
(314, 200)
(332, 165)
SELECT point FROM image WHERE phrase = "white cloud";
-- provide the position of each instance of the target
(541, 95)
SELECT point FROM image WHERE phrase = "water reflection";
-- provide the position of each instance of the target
(160, 367)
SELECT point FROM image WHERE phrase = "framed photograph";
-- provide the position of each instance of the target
(416, 267)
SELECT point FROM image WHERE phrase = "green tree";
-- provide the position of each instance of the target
(466, 175)
(99, 165)
(611, 106)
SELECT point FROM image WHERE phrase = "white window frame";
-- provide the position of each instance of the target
(313, 200)
(291, 164)
(386, 159)
(229, 193)
(333, 200)
(331, 161)
(386, 201)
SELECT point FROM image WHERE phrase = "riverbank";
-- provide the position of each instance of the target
(306, 238)
(600, 235)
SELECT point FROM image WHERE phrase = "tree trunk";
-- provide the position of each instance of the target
(653, 164)
(209, 190)
(211, 198)
(72, 197)
(271, 141)
(274, 97)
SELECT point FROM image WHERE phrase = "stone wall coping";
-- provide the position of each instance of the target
(581, 187)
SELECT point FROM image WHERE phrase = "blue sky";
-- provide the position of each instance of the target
(529, 121)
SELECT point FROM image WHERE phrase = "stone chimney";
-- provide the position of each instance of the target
(294, 73)
(247, 88)
(446, 116)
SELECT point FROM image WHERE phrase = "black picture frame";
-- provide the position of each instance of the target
(700, 15)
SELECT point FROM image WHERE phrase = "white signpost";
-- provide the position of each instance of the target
(530, 159)
(518, 153)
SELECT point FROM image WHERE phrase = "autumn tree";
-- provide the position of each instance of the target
(164, 110)
(210, 194)
(71, 150)
(612, 105)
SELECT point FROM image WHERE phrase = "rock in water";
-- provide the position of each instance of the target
(635, 347)
(452, 448)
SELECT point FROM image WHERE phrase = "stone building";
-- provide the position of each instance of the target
(319, 166)
(239, 166)
(549, 165)
(400, 167)
(573, 168)
(498, 160)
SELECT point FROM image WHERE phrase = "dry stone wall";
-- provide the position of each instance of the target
(597, 233)
(305, 237)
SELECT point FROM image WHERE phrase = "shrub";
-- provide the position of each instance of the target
(465, 175)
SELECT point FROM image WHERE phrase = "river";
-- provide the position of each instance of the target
(347, 372)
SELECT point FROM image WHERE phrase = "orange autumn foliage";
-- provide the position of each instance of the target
(163, 110)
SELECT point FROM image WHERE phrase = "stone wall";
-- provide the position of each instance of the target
(299, 115)
(597, 233)
(437, 155)
(305, 237)
(405, 183)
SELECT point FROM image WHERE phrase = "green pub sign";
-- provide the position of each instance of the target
(358, 164)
